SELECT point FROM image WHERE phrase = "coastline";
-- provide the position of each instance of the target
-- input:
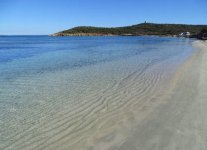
(179, 121)
(173, 118)
(171, 115)
(135, 30)
(99, 34)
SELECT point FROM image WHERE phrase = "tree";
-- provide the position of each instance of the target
(203, 34)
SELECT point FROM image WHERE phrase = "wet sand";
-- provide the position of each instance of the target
(136, 114)
(174, 119)
(180, 121)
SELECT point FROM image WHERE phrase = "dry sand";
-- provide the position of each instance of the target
(180, 123)
(172, 119)
(175, 119)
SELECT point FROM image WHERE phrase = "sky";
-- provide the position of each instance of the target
(40, 17)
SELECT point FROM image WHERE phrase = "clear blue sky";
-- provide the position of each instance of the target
(49, 16)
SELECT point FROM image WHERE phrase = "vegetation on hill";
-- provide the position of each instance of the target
(139, 29)
(203, 34)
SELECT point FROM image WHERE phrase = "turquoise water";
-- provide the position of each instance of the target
(44, 78)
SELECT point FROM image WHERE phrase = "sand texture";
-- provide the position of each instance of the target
(180, 122)
(146, 110)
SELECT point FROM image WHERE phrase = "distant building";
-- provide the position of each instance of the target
(184, 34)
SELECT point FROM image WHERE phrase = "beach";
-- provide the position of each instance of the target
(103, 75)
(150, 100)
(179, 122)
(175, 120)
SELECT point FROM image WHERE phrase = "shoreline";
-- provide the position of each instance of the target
(145, 28)
(179, 121)
(152, 121)
(170, 119)
(158, 114)
(97, 34)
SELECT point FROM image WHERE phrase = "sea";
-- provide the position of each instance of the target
(56, 89)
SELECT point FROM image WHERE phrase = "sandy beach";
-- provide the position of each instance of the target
(103, 75)
(179, 122)
(175, 119)
(153, 109)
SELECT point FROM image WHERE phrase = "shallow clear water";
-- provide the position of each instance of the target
(43, 78)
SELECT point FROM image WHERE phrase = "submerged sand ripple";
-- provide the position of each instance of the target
(147, 109)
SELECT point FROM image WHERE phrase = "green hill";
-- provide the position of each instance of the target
(134, 30)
